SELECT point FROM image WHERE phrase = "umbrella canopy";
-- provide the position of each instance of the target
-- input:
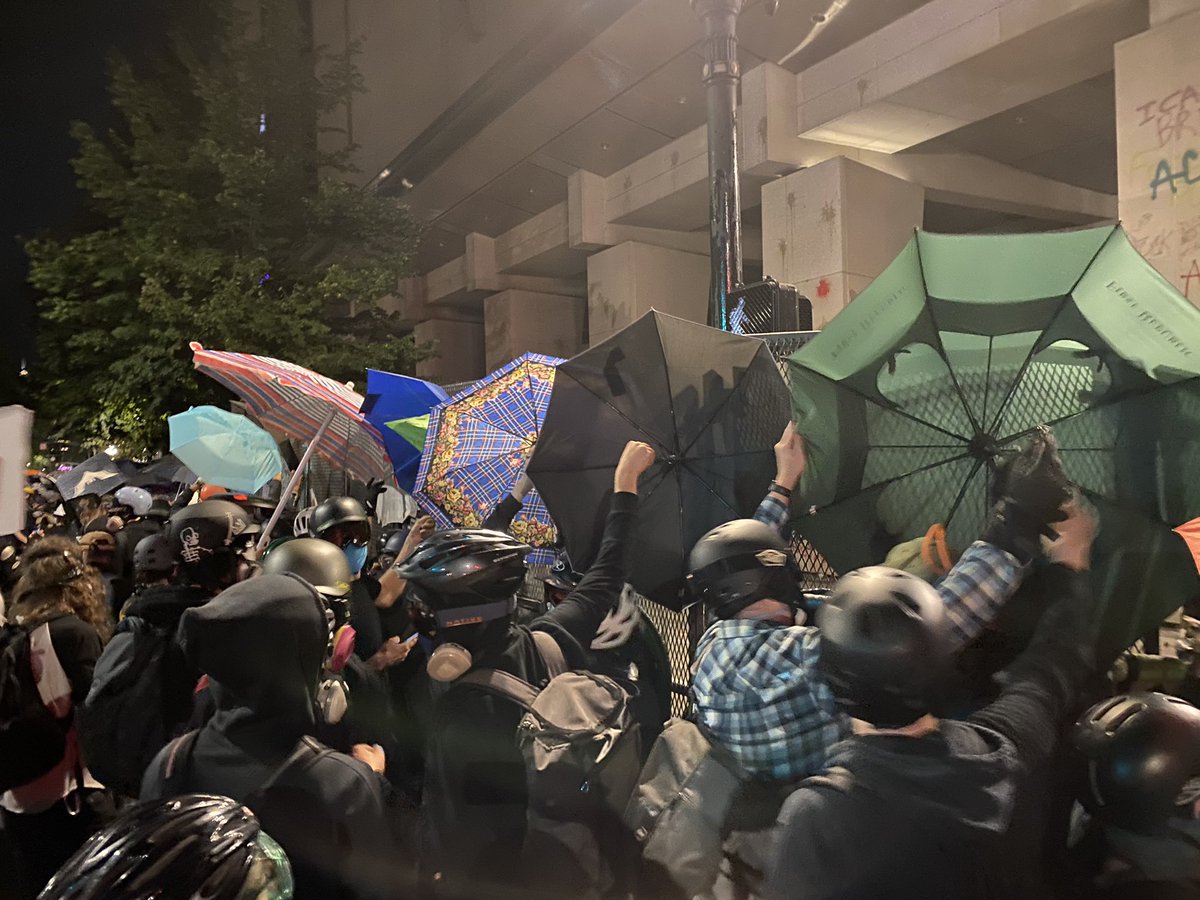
(395, 398)
(167, 470)
(297, 402)
(414, 431)
(949, 359)
(478, 444)
(224, 448)
(711, 404)
(96, 475)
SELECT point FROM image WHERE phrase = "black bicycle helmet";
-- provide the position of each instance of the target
(1142, 749)
(153, 556)
(885, 645)
(740, 563)
(318, 562)
(336, 511)
(392, 542)
(189, 846)
(464, 576)
(203, 529)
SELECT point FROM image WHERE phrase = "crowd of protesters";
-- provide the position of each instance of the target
(368, 711)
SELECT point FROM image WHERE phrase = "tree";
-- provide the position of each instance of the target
(221, 220)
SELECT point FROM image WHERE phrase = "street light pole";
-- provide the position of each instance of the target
(721, 77)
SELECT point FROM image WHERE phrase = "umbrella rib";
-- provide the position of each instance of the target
(712, 490)
(716, 412)
(1154, 388)
(1054, 318)
(670, 391)
(941, 346)
(888, 482)
(962, 493)
(897, 410)
(987, 378)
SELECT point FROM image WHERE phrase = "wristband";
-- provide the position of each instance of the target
(777, 488)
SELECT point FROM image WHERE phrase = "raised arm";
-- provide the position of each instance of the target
(790, 462)
(391, 585)
(506, 510)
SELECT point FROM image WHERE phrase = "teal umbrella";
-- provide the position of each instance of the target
(224, 448)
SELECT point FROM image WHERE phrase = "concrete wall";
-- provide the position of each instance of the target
(630, 279)
(517, 322)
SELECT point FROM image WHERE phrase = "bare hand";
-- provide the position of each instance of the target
(372, 755)
(1073, 548)
(523, 486)
(636, 458)
(421, 529)
(392, 652)
(791, 457)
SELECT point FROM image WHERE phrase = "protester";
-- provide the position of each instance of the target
(263, 644)
(930, 798)
(461, 585)
(144, 688)
(153, 562)
(103, 555)
(57, 615)
(91, 514)
(191, 846)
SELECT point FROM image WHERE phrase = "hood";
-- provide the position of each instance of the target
(261, 643)
(955, 781)
(162, 605)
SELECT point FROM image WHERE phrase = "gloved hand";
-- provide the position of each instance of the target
(1031, 491)
(375, 487)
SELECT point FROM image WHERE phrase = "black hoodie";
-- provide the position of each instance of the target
(262, 643)
(902, 817)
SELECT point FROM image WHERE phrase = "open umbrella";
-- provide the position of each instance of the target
(395, 398)
(478, 443)
(303, 405)
(710, 403)
(964, 344)
(167, 470)
(224, 448)
(96, 475)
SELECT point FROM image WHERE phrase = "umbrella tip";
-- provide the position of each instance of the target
(194, 346)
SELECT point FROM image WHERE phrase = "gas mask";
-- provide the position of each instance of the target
(333, 693)
(449, 660)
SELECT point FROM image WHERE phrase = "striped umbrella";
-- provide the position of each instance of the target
(303, 405)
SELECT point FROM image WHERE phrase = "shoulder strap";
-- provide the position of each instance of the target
(550, 652)
(510, 687)
(179, 760)
(307, 751)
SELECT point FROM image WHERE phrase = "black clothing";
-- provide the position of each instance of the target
(364, 616)
(504, 513)
(262, 643)
(162, 606)
(902, 817)
(77, 646)
(475, 796)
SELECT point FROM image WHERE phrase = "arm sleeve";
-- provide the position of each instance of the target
(976, 589)
(1045, 681)
(504, 513)
(772, 512)
(585, 607)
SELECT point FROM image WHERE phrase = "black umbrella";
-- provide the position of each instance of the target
(710, 403)
(167, 470)
(96, 475)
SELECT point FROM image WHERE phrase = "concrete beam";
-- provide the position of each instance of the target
(954, 62)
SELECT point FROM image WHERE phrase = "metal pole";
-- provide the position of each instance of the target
(722, 76)
(292, 482)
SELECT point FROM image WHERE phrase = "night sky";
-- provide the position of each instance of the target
(52, 71)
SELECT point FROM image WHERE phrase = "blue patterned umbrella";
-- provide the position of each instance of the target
(478, 443)
(391, 397)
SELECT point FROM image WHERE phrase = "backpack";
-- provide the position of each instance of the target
(582, 753)
(33, 740)
(691, 797)
(123, 722)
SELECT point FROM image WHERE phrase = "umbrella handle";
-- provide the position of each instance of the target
(293, 481)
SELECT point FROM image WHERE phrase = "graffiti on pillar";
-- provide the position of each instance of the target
(1171, 176)
(823, 288)
(1173, 116)
(1192, 272)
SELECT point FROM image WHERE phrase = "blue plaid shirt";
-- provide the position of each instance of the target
(756, 686)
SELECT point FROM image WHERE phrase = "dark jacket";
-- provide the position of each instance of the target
(262, 643)
(901, 817)
(162, 606)
(475, 798)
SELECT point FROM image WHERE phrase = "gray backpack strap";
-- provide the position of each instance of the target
(501, 684)
(550, 652)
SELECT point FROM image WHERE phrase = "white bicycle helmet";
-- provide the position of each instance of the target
(300, 524)
(620, 623)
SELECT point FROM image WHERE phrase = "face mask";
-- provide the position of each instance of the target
(356, 556)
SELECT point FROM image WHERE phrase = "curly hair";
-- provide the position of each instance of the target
(56, 579)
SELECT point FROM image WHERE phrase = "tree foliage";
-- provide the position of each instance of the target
(221, 220)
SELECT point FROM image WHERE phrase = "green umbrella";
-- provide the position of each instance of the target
(412, 429)
(949, 359)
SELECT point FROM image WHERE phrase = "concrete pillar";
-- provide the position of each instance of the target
(630, 279)
(831, 228)
(517, 322)
(459, 347)
(1158, 144)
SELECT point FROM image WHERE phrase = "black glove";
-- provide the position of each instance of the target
(375, 487)
(1031, 489)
